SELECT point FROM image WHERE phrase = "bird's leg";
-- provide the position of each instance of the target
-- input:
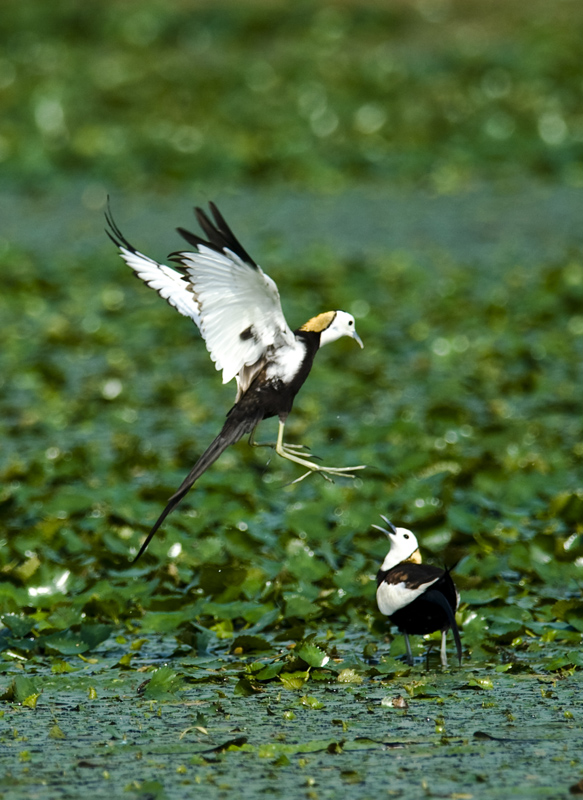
(286, 446)
(283, 450)
(443, 653)
(409, 653)
(253, 443)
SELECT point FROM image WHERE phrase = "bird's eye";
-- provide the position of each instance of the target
(351, 322)
(405, 536)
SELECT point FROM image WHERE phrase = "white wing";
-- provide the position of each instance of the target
(393, 596)
(169, 284)
(240, 309)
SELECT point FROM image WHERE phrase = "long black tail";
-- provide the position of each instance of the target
(435, 596)
(232, 431)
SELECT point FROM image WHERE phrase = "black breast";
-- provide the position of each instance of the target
(269, 398)
(425, 613)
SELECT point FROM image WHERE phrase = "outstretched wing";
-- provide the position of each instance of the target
(240, 310)
(169, 283)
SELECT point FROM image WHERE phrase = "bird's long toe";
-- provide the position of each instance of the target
(325, 472)
(292, 448)
(342, 470)
(312, 472)
(286, 446)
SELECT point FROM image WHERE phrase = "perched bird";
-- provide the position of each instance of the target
(417, 597)
(237, 309)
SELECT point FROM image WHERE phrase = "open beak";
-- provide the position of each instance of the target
(389, 523)
(392, 530)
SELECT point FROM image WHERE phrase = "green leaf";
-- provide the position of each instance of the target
(298, 606)
(480, 683)
(24, 688)
(306, 566)
(391, 666)
(480, 597)
(244, 688)
(94, 635)
(311, 702)
(31, 700)
(164, 684)
(293, 680)
(167, 621)
(269, 672)
(312, 655)
(60, 667)
(67, 643)
(149, 790)
(265, 620)
(19, 625)
(238, 609)
(421, 688)
(349, 676)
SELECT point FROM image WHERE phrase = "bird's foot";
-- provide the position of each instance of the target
(304, 460)
(291, 451)
(288, 446)
(285, 446)
(325, 472)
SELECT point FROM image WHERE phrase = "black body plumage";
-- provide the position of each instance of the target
(263, 399)
(418, 598)
(431, 611)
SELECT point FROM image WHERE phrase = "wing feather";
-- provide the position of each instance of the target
(169, 283)
(393, 596)
(240, 307)
(235, 305)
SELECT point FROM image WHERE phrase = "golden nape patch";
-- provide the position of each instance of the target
(415, 557)
(319, 323)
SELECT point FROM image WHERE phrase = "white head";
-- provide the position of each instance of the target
(404, 545)
(332, 325)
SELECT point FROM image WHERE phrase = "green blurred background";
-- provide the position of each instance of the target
(159, 96)
(417, 163)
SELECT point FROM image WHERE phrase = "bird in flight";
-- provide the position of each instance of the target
(418, 598)
(237, 310)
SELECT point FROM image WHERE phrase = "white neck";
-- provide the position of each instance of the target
(403, 545)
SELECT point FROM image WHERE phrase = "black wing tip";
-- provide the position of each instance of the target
(114, 232)
(200, 213)
(219, 234)
(194, 239)
(220, 220)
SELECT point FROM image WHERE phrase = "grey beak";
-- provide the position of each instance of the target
(389, 523)
(382, 530)
(392, 530)
(357, 338)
